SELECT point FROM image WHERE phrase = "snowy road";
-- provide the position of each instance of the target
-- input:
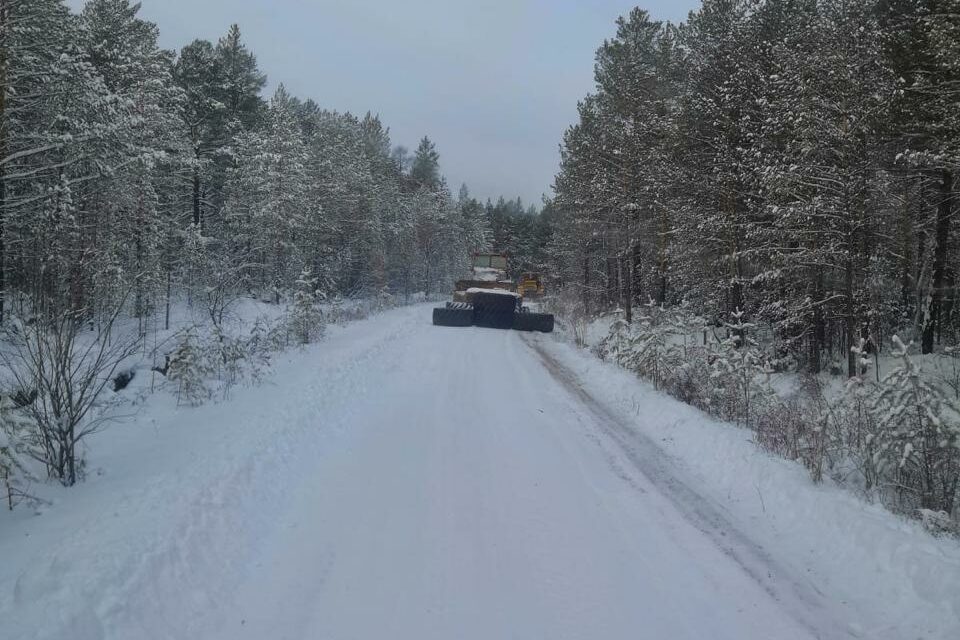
(400, 480)
(482, 499)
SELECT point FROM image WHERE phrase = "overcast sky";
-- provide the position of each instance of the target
(494, 83)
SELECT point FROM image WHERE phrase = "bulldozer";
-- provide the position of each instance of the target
(530, 286)
(489, 298)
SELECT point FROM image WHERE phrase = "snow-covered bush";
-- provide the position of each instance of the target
(938, 523)
(691, 378)
(570, 316)
(897, 439)
(651, 346)
(335, 309)
(67, 366)
(248, 357)
(803, 427)
(189, 370)
(385, 299)
(229, 353)
(917, 444)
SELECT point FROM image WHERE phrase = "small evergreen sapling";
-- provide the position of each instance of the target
(306, 319)
(740, 373)
(917, 444)
(188, 369)
(15, 433)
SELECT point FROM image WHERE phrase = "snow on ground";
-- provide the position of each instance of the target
(176, 499)
(499, 292)
(894, 579)
(369, 490)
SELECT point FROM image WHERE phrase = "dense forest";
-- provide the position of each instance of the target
(793, 162)
(134, 175)
(770, 188)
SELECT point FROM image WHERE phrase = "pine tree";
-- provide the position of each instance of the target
(242, 82)
(918, 433)
(189, 369)
(266, 199)
(425, 170)
(131, 220)
(306, 319)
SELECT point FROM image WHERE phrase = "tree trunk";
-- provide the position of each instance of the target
(819, 325)
(197, 217)
(735, 300)
(941, 240)
(637, 269)
(166, 315)
(850, 325)
(3, 247)
(611, 294)
(3, 154)
(907, 288)
(662, 257)
(586, 284)
(626, 281)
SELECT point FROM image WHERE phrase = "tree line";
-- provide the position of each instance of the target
(788, 163)
(131, 176)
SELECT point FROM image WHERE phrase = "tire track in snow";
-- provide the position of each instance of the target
(801, 599)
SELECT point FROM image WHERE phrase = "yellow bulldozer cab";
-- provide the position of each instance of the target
(530, 285)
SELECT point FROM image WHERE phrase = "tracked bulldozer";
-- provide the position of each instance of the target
(489, 298)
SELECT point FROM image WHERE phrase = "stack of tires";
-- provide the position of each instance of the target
(493, 310)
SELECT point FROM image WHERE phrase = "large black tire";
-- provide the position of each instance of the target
(542, 322)
(459, 305)
(452, 317)
(494, 310)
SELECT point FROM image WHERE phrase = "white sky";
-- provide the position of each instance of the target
(494, 83)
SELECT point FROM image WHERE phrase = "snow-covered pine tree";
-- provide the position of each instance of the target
(921, 44)
(306, 318)
(740, 374)
(17, 431)
(131, 221)
(266, 199)
(58, 125)
(189, 370)
(425, 171)
(917, 444)
(222, 84)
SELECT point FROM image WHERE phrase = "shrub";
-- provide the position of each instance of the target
(68, 369)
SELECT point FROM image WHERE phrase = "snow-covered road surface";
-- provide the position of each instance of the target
(408, 481)
(473, 504)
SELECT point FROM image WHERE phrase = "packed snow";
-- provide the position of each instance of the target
(500, 292)
(488, 274)
(408, 481)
